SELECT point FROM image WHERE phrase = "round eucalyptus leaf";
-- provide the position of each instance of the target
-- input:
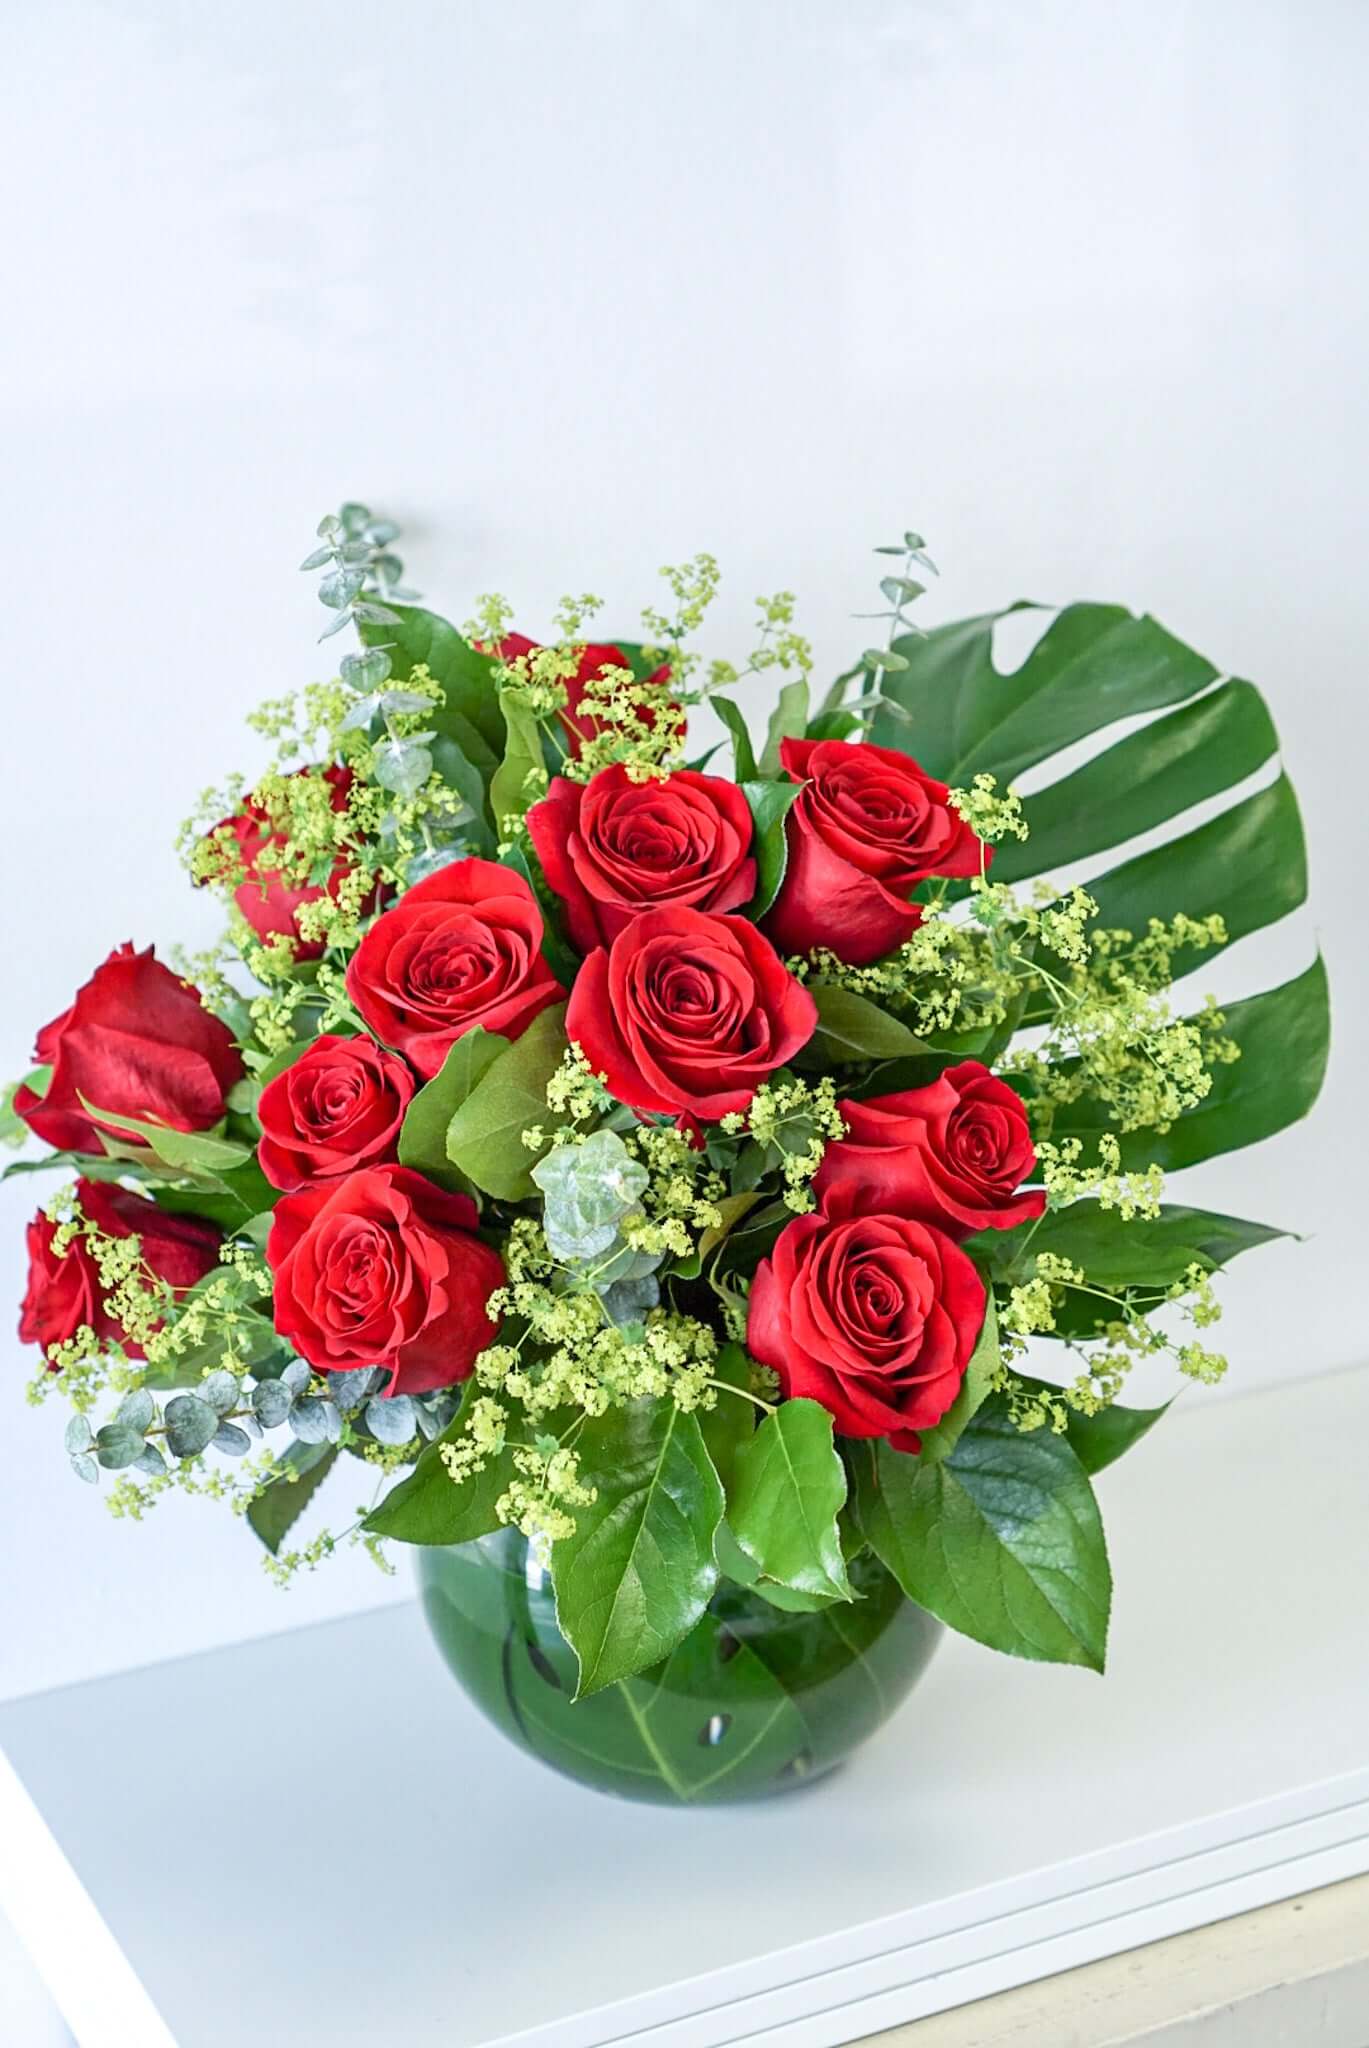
(360, 714)
(296, 1375)
(190, 1424)
(271, 1403)
(402, 766)
(85, 1467)
(365, 671)
(318, 559)
(392, 1420)
(137, 1410)
(116, 1445)
(338, 590)
(355, 517)
(328, 526)
(151, 1461)
(221, 1390)
(309, 1422)
(381, 532)
(625, 1300)
(78, 1436)
(232, 1441)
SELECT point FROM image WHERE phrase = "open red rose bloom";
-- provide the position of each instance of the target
(765, 1163)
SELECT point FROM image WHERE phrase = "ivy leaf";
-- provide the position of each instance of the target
(1001, 1540)
(279, 1506)
(423, 1134)
(639, 1570)
(789, 1487)
(769, 803)
(787, 722)
(485, 1135)
(429, 1506)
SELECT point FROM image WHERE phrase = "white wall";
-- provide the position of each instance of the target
(574, 287)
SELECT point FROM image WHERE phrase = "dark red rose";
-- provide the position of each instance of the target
(954, 1153)
(580, 722)
(461, 948)
(63, 1293)
(867, 827)
(338, 1107)
(137, 1041)
(687, 1013)
(611, 848)
(384, 1269)
(268, 902)
(873, 1316)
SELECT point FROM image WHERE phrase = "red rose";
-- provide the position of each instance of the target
(580, 723)
(63, 1293)
(137, 1041)
(687, 1013)
(338, 1107)
(268, 902)
(873, 1316)
(461, 948)
(384, 1269)
(612, 847)
(954, 1153)
(867, 827)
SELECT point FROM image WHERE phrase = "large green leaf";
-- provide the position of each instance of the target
(470, 712)
(851, 1028)
(787, 722)
(485, 1135)
(788, 1489)
(1284, 1035)
(511, 792)
(1099, 1440)
(1144, 1251)
(1001, 1540)
(279, 1506)
(423, 1135)
(639, 1570)
(429, 1506)
(769, 803)
(941, 1439)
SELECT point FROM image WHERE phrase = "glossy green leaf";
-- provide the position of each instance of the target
(787, 722)
(639, 1570)
(1001, 1540)
(423, 1134)
(275, 1511)
(1145, 1251)
(939, 1441)
(731, 1421)
(788, 1488)
(470, 712)
(744, 758)
(769, 803)
(511, 792)
(852, 1028)
(1099, 1440)
(429, 1506)
(485, 1135)
(460, 773)
(188, 1151)
(1284, 1035)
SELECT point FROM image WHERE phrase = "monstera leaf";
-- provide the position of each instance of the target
(1095, 666)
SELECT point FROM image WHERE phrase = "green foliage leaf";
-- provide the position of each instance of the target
(1144, 1252)
(460, 773)
(470, 712)
(279, 1506)
(188, 1151)
(485, 1135)
(744, 758)
(788, 1488)
(1284, 1035)
(423, 1134)
(511, 793)
(1001, 1540)
(787, 722)
(639, 1570)
(1099, 1440)
(769, 803)
(851, 1028)
(731, 1421)
(429, 1506)
(939, 1441)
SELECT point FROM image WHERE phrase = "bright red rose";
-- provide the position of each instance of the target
(873, 1316)
(611, 848)
(63, 1293)
(462, 947)
(580, 723)
(338, 1107)
(137, 1041)
(270, 904)
(384, 1269)
(687, 1013)
(867, 827)
(954, 1153)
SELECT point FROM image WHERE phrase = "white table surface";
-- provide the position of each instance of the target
(314, 1838)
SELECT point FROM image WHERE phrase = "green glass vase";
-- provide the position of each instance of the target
(754, 1701)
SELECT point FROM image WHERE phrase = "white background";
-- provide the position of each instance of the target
(575, 289)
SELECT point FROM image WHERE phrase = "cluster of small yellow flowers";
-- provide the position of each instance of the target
(693, 585)
(680, 1200)
(575, 1092)
(955, 974)
(990, 817)
(778, 646)
(484, 1425)
(547, 1488)
(1134, 1193)
(793, 1121)
(1031, 1306)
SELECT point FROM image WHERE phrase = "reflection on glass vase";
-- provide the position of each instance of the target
(755, 1699)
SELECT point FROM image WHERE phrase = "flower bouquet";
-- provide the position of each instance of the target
(712, 1217)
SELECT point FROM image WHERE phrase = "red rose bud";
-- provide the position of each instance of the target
(612, 847)
(338, 1107)
(139, 1042)
(269, 903)
(63, 1293)
(384, 1269)
(873, 1316)
(686, 1013)
(461, 948)
(867, 827)
(954, 1153)
(579, 719)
